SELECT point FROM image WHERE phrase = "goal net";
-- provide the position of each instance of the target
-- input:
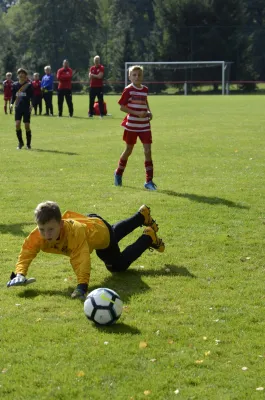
(174, 77)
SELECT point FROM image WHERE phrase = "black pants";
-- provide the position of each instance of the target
(37, 101)
(67, 94)
(114, 259)
(93, 93)
(48, 102)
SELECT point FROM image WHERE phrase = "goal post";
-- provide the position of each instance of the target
(224, 67)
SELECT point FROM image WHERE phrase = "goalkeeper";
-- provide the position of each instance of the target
(47, 89)
(76, 236)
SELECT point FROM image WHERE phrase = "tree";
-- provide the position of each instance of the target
(254, 52)
(47, 32)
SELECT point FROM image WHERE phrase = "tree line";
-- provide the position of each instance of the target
(36, 33)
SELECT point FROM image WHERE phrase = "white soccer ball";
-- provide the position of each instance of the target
(103, 306)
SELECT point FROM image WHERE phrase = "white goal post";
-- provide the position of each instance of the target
(186, 64)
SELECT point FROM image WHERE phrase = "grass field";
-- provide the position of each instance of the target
(193, 321)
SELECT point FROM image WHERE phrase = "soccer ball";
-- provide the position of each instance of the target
(103, 306)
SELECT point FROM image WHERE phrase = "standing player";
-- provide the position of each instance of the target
(22, 94)
(47, 89)
(64, 76)
(37, 95)
(95, 75)
(7, 84)
(137, 124)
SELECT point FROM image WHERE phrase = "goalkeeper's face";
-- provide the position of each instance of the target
(50, 230)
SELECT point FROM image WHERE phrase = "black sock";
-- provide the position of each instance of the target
(28, 134)
(19, 136)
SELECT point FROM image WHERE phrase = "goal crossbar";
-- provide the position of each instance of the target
(183, 64)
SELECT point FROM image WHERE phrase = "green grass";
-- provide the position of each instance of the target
(199, 307)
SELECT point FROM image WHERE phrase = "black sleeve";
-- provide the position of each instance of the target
(14, 91)
(30, 91)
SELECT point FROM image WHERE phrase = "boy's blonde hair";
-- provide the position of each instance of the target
(36, 74)
(9, 74)
(47, 211)
(135, 68)
(47, 67)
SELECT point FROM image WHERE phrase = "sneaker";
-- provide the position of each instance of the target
(28, 147)
(150, 185)
(117, 180)
(148, 220)
(157, 243)
(90, 116)
(20, 145)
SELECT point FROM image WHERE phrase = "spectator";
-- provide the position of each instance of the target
(8, 84)
(95, 75)
(64, 76)
(37, 95)
(47, 89)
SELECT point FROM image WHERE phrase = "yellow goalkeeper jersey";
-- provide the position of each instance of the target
(79, 236)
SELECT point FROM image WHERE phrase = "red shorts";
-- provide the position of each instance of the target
(131, 137)
(7, 98)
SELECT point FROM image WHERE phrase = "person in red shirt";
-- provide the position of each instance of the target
(134, 103)
(8, 84)
(95, 75)
(64, 76)
(37, 95)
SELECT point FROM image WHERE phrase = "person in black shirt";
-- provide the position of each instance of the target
(22, 94)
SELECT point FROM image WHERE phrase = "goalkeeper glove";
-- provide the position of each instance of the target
(80, 292)
(19, 280)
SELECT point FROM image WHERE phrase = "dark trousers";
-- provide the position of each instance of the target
(93, 93)
(48, 102)
(67, 94)
(37, 101)
(114, 259)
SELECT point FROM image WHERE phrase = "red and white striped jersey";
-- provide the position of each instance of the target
(135, 99)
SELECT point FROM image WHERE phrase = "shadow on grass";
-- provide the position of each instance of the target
(68, 153)
(32, 293)
(199, 199)
(126, 284)
(130, 282)
(15, 229)
(118, 328)
(170, 270)
(205, 199)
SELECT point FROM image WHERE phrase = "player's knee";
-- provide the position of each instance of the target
(116, 267)
(128, 151)
(147, 152)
